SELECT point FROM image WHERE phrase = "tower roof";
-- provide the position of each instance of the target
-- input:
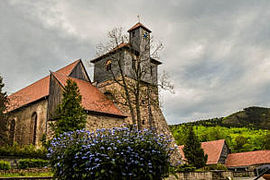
(139, 25)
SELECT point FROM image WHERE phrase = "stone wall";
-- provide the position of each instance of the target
(24, 123)
(98, 121)
(158, 121)
(244, 174)
(210, 175)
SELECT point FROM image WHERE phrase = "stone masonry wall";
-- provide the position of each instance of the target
(158, 120)
(23, 117)
(98, 121)
(210, 175)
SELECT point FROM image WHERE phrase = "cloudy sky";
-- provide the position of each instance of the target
(216, 52)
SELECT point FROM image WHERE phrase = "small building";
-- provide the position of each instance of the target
(217, 151)
(247, 161)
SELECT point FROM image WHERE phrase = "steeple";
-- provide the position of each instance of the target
(139, 38)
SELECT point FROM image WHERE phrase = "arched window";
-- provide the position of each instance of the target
(108, 65)
(143, 122)
(12, 131)
(33, 128)
(109, 95)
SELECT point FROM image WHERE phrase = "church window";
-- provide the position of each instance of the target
(33, 128)
(137, 53)
(108, 65)
(109, 95)
(133, 64)
(143, 121)
(12, 131)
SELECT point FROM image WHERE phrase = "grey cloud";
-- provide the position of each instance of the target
(217, 52)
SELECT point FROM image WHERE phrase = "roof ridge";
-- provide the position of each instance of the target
(251, 151)
(137, 25)
(28, 85)
(45, 77)
(32, 92)
(213, 140)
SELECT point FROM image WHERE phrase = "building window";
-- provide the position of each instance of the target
(133, 64)
(133, 33)
(151, 70)
(137, 53)
(109, 95)
(108, 65)
(12, 131)
(143, 122)
(33, 128)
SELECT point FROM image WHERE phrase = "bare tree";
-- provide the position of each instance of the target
(137, 91)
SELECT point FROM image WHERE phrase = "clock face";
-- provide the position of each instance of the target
(145, 35)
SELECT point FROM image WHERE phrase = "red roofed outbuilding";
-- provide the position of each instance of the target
(248, 160)
(217, 151)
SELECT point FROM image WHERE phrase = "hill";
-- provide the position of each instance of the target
(251, 117)
(246, 130)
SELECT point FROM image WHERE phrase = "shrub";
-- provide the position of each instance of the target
(183, 168)
(23, 151)
(118, 153)
(214, 167)
(4, 165)
(32, 163)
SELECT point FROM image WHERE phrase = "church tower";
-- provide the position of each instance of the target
(106, 69)
(138, 47)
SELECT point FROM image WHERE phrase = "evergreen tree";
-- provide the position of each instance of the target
(69, 115)
(3, 116)
(193, 151)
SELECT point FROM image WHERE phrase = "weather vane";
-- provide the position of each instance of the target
(139, 19)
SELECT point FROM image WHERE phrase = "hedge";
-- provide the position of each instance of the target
(4, 165)
(27, 151)
(32, 163)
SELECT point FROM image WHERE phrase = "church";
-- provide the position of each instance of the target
(31, 109)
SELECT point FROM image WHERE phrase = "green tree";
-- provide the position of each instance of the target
(3, 115)
(193, 151)
(69, 115)
(266, 141)
(240, 142)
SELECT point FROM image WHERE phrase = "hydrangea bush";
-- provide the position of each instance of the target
(117, 153)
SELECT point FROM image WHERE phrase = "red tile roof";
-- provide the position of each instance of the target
(35, 91)
(212, 148)
(137, 26)
(92, 98)
(248, 158)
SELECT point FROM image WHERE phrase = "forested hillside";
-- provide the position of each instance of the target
(246, 130)
(251, 117)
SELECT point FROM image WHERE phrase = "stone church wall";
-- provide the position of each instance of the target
(23, 133)
(158, 120)
(98, 121)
